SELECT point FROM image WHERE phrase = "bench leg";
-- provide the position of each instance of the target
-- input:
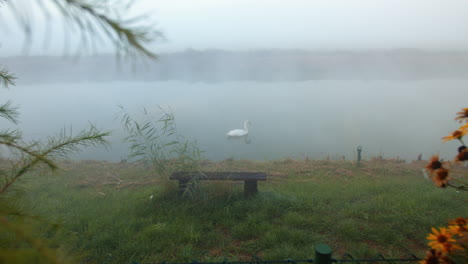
(250, 188)
(182, 186)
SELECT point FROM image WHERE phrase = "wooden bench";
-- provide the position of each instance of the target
(250, 179)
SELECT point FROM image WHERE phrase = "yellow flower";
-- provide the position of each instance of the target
(464, 127)
(434, 164)
(441, 177)
(457, 230)
(440, 239)
(435, 257)
(458, 226)
(462, 154)
(449, 247)
(461, 221)
(457, 134)
(462, 115)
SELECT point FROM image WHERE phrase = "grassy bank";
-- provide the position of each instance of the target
(105, 215)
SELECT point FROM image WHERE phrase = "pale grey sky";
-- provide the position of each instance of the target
(287, 24)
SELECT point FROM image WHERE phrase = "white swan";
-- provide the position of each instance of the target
(240, 133)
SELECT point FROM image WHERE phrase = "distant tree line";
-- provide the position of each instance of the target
(260, 65)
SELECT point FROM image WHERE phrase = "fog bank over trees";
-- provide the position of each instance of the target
(259, 65)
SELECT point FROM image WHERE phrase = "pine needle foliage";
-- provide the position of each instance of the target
(157, 141)
(9, 112)
(36, 153)
(6, 78)
(28, 156)
(25, 157)
(95, 22)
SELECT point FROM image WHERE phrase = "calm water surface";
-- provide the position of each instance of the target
(314, 118)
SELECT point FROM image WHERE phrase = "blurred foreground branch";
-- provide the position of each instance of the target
(95, 22)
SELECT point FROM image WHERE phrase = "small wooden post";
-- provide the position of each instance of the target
(250, 188)
(359, 150)
(322, 254)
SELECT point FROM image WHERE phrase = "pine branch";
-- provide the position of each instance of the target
(94, 20)
(61, 145)
(29, 152)
(134, 37)
(9, 112)
(10, 136)
(64, 144)
(6, 78)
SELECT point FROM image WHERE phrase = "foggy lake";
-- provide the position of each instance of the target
(289, 119)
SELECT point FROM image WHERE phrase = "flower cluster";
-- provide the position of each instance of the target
(447, 243)
(438, 170)
(439, 174)
(462, 116)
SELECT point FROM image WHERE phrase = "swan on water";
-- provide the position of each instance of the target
(240, 133)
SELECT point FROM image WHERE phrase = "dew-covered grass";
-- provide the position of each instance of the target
(103, 211)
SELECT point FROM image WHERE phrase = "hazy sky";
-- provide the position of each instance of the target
(284, 24)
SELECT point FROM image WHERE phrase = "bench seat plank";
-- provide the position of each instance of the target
(225, 175)
(250, 179)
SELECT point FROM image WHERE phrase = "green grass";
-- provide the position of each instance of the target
(381, 207)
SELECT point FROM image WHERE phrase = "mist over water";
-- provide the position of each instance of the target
(289, 119)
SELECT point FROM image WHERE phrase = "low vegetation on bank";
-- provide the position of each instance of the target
(102, 212)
